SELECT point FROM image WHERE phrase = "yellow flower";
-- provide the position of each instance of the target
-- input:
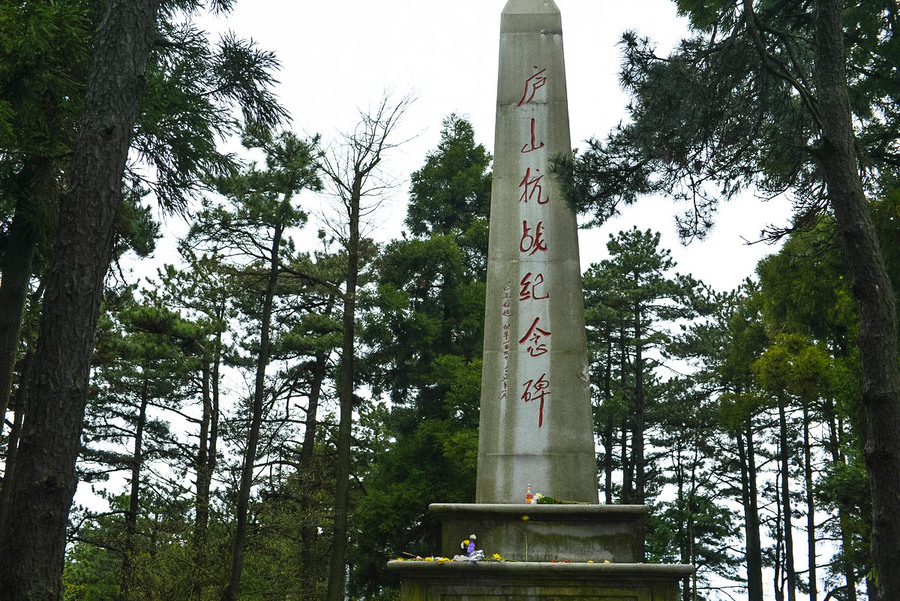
(429, 559)
(590, 561)
(524, 518)
(607, 561)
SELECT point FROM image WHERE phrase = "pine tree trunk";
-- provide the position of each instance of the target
(309, 530)
(32, 545)
(871, 287)
(256, 413)
(126, 575)
(810, 509)
(627, 464)
(607, 434)
(751, 516)
(20, 401)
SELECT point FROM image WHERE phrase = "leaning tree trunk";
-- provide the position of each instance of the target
(243, 501)
(37, 185)
(32, 545)
(871, 287)
(19, 404)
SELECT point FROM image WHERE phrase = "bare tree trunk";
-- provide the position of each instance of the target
(19, 405)
(608, 441)
(627, 464)
(206, 463)
(871, 287)
(349, 175)
(336, 573)
(309, 530)
(32, 545)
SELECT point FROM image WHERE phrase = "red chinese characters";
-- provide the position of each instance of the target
(532, 240)
(532, 187)
(535, 339)
(534, 144)
(532, 85)
(537, 390)
(530, 287)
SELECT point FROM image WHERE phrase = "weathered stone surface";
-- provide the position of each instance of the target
(545, 532)
(536, 425)
(495, 581)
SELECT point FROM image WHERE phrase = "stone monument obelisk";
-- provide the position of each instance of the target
(536, 427)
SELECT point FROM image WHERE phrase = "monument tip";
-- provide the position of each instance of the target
(530, 7)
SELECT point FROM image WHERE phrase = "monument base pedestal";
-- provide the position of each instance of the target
(540, 532)
(556, 552)
(508, 581)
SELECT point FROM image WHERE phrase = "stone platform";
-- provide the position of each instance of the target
(543, 533)
(527, 581)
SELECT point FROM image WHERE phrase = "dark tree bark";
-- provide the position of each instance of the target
(637, 441)
(627, 463)
(37, 181)
(20, 401)
(608, 427)
(32, 545)
(206, 461)
(871, 286)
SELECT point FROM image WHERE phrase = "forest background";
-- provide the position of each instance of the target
(269, 397)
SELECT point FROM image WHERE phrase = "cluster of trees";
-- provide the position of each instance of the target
(259, 416)
(737, 416)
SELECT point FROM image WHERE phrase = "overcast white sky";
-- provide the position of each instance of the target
(338, 56)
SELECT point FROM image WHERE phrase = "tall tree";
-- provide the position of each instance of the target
(45, 55)
(32, 544)
(256, 229)
(354, 172)
(139, 369)
(641, 296)
(191, 87)
(743, 335)
(203, 292)
(423, 330)
(789, 98)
